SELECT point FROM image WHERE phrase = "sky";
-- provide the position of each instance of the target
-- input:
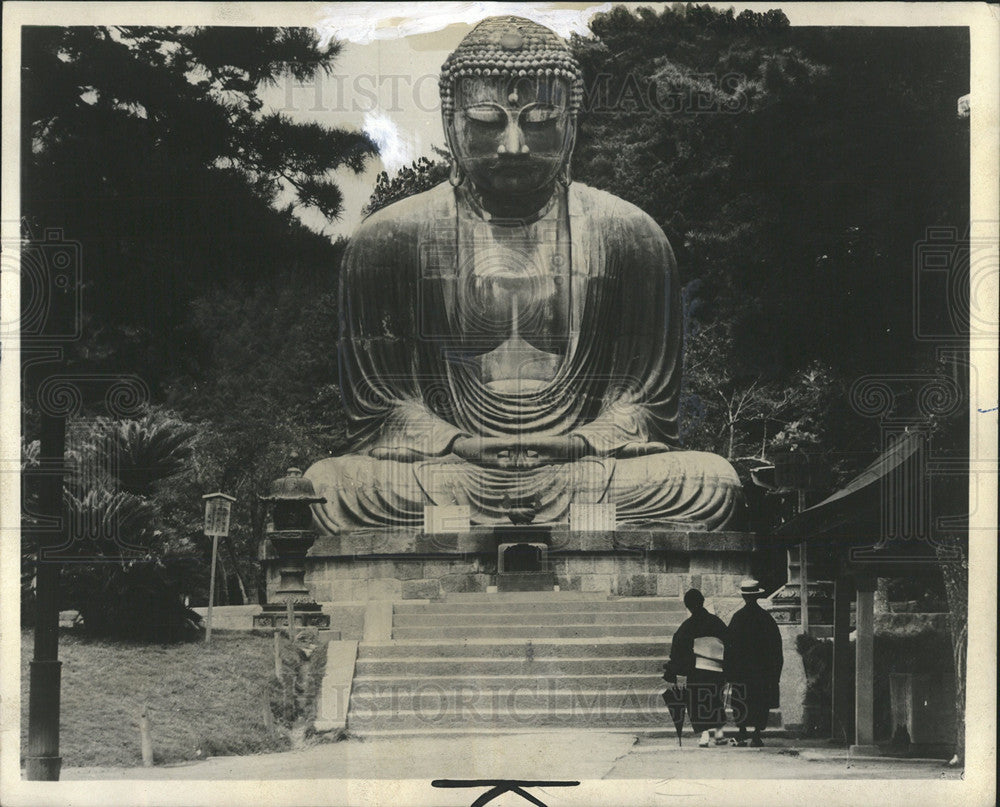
(388, 88)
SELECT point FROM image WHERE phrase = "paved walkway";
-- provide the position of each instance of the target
(566, 754)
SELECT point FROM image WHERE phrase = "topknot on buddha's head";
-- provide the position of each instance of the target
(510, 48)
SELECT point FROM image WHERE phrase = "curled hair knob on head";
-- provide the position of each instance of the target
(510, 47)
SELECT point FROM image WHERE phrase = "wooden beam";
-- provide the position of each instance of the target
(842, 727)
(864, 670)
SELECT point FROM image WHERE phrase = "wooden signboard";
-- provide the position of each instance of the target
(217, 512)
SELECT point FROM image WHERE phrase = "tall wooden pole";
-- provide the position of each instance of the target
(803, 573)
(843, 670)
(804, 586)
(211, 588)
(864, 669)
(43, 762)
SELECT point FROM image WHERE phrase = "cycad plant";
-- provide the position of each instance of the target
(119, 583)
(143, 452)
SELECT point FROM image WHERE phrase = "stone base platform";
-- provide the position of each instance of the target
(635, 561)
(306, 615)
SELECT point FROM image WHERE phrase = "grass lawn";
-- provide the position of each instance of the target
(204, 700)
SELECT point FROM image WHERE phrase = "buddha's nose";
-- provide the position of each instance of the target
(513, 140)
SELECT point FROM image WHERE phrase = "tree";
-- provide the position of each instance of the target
(795, 171)
(152, 152)
(419, 176)
(152, 149)
(783, 166)
(266, 384)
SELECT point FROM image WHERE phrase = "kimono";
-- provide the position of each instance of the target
(696, 652)
(753, 662)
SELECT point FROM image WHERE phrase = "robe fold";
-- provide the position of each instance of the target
(454, 325)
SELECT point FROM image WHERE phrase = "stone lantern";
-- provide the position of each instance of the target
(291, 534)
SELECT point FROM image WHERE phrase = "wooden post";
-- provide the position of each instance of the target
(803, 571)
(211, 587)
(842, 708)
(804, 587)
(267, 714)
(277, 654)
(290, 611)
(864, 669)
(218, 508)
(145, 739)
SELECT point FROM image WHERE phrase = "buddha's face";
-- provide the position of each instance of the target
(511, 136)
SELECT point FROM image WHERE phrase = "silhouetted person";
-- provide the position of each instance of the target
(753, 661)
(696, 654)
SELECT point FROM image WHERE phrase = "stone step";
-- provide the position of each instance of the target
(668, 620)
(651, 715)
(531, 631)
(431, 720)
(495, 698)
(429, 665)
(644, 681)
(558, 733)
(525, 596)
(516, 648)
(506, 604)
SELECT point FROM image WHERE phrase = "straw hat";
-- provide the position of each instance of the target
(750, 587)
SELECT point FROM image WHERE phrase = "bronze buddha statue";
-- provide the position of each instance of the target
(512, 336)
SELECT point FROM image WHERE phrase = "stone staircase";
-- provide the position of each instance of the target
(516, 662)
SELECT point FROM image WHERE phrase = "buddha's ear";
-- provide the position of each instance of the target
(569, 143)
(455, 173)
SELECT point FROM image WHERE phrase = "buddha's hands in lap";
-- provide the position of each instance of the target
(519, 454)
(505, 452)
(641, 449)
(397, 454)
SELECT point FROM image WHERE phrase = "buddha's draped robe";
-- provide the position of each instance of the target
(453, 324)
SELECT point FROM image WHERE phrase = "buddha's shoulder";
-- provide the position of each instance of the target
(407, 215)
(610, 209)
(622, 223)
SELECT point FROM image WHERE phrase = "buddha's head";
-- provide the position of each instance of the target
(510, 93)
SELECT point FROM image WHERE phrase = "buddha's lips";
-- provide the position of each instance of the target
(516, 164)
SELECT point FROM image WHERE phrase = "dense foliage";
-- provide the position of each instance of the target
(151, 149)
(149, 152)
(419, 176)
(794, 171)
(121, 572)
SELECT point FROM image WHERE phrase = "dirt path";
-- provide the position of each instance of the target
(545, 755)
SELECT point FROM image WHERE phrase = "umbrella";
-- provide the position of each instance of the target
(676, 701)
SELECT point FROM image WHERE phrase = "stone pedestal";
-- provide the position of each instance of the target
(644, 560)
(292, 547)
(304, 615)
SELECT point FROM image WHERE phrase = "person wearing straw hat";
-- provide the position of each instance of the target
(752, 663)
(695, 669)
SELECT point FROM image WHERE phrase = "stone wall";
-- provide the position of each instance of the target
(644, 575)
(350, 580)
(620, 574)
